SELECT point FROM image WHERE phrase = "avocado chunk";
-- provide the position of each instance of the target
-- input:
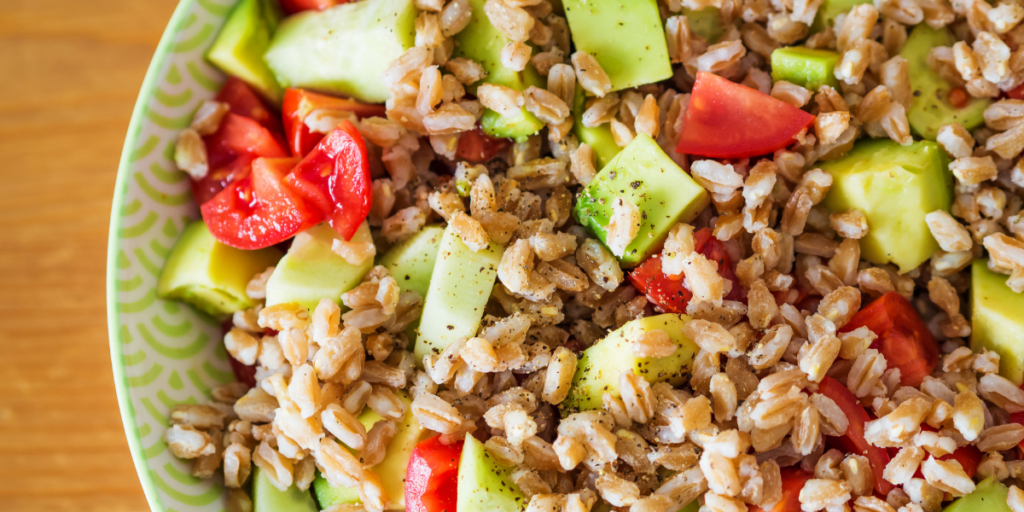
(828, 11)
(267, 498)
(460, 286)
(599, 138)
(412, 261)
(643, 174)
(391, 470)
(343, 49)
(625, 36)
(930, 109)
(599, 367)
(997, 320)
(805, 67)
(238, 49)
(989, 494)
(895, 186)
(516, 128)
(482, 42)
(484, 484)
(311, 271)
(210, 275)
(706, 22)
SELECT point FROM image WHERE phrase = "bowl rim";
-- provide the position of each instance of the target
(149, 84)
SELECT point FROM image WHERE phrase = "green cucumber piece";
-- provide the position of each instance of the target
(238, 49)
(484, 484)
(267, 498)
(411, 262)
(460, 286)
(805, 67)
(480, 41)
(343, 49)
(311, 271)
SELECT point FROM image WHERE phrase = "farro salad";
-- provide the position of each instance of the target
(594, 255)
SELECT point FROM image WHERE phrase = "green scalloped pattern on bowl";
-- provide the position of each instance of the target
(163, 353)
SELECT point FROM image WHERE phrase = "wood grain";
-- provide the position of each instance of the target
(70, 71)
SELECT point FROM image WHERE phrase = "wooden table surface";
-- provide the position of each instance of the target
(70, 71)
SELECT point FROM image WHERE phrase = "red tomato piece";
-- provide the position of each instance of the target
(669, 293)
(259, 210)
(853, 441)
(728, 120)
(1016, 93)
(431, 480)
(244, 101)
(243, 373)
(714, 250)
(299, 103)
(793, 480)
(294, 6)
(968, 456)
(240, 135)
(334, 179)
(230, 151)
(478, 147)
(207, 188)
(903, 338)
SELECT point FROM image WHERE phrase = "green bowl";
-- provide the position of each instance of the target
(163, 353)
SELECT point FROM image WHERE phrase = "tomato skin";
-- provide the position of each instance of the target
(729, 120)
(793, 480)
(243, 373)
(299, 103)
(259, 210)
(969, 458)
(669, 293)
(478, 147)
(240, 135)
(334, 179)
(294, 6)
(903, 337)
(207, 188)
(230, 151)
(1016, 93)
(853, 441)
(431, 480)
(245, 102)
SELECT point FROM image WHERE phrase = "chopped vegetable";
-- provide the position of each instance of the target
(903, 338)
(334, 179)
(431, 483)
(259, 211)
(729, 120)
